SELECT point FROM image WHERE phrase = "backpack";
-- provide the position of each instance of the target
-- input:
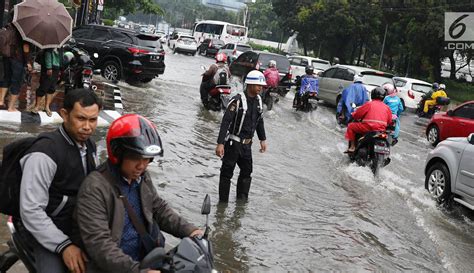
(11, 173)
(220, 77)
(8, 39)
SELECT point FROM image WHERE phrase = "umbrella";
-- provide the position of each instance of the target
(44, 23)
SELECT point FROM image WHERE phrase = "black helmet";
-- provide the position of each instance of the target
(309, 69)
(378, 93)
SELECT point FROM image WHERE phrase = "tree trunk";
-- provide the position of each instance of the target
(452, 74)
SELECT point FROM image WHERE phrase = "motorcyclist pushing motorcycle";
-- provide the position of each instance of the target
(396, 107)
(355, 93)
(372, 116)
(217, 74)
(432, 102)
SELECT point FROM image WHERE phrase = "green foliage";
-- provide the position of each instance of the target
(266, 48)
(125, 7)
(353, 31)
(108, 22)
(459, 91)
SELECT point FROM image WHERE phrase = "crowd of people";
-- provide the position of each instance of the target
(18, 58)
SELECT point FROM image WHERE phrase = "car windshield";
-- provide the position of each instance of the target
(423, 88)
(320, 65)
(243, 48)
(377, 80)
(282, 62)
(148, 41)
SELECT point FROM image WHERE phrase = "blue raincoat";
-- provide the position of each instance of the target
(396, 107)
(308, 84)
(355, 93)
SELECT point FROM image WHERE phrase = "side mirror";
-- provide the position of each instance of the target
(450, 113)
(72, 40)
(470, 138)
(206, 205)
(153, 259)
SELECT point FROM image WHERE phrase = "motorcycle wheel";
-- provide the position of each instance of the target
(377, 164)
(269, 102)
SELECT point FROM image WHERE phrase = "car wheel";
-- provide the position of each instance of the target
(111, 71)
(438, 182)
(432, 135)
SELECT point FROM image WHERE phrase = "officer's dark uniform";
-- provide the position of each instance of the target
(237, 149)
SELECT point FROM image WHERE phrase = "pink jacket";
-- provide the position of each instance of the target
(272, 77)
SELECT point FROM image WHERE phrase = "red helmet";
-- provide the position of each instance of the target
(135, 134)
(221, 57)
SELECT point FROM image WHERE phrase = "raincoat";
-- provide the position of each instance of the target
(355, 93)
(308, 84)
(373, 116)
(272, 77)
(396, 107)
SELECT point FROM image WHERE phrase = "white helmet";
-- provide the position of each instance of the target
(442, 86)
(357, 78)
(255, 77)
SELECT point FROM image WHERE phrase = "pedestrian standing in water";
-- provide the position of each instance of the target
(242, 118)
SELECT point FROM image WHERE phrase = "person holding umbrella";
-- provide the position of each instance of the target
(14, 67)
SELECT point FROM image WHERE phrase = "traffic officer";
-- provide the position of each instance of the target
(242, 117)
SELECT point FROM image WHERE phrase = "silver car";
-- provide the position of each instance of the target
(449, 171)
(335, 79)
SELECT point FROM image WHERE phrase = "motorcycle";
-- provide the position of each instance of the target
(218, 97)
(190, 255)
(308, 88)
(372, 149)
(440, 102)
(77, 73)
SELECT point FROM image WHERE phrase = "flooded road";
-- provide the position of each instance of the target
(309, 208)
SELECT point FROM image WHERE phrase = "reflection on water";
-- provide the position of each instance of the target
(231, 255)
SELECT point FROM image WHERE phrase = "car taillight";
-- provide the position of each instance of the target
(136, 51)
(411, 95)
(289, 73)
(162, 53)
(87, 72)
(382, 136)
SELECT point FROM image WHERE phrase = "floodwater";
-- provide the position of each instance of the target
(309, 209)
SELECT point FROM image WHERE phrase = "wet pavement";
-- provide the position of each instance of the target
(309, 209)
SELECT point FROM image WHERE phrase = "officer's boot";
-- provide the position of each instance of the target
(243, 188)
(224, 188)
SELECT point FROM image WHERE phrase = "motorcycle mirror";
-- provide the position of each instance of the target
(153, 259)
(206, 205)
(96, 55)
(96, 71)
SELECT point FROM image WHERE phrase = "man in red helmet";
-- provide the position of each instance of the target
(217, 74)
(53, 170)
(119, 212)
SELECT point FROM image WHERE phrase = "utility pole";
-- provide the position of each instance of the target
(383, 45)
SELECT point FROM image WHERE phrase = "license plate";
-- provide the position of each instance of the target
(381, 149)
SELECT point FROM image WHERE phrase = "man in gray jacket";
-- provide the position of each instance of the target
(53, 170)
(120, 195)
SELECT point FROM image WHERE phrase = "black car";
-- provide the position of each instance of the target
(258, 60)
(209, 47)
(122, 54)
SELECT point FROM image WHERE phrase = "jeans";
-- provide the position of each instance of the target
(14, 71)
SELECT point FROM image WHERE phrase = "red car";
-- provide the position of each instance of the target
(454, 123)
